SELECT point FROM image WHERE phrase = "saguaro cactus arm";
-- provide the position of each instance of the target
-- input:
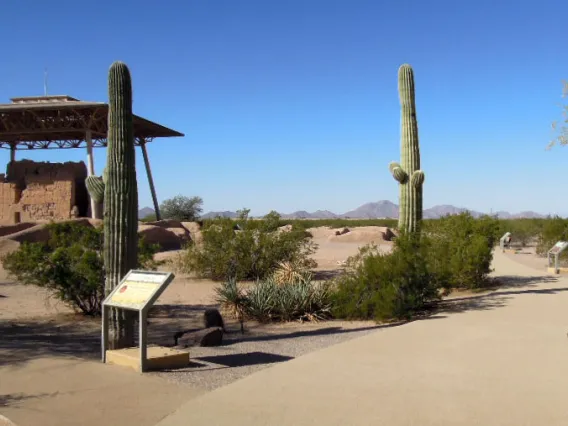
(417, 179)
(398, 173)
(96, 188)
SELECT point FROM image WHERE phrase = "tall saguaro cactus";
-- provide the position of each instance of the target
(120, 199)
(408, 173)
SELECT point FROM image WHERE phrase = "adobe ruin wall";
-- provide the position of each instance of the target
(42, 191)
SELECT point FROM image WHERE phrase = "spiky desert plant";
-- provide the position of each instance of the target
(407, 172)
(291, 272)
(121, 199)
(232, 300)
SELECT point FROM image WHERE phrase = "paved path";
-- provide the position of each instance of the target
(500, 360)
(72, 392)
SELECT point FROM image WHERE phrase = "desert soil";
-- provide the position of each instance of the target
(49, 356)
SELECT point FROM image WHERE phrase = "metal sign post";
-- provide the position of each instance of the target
(137, 291)
(554, 253)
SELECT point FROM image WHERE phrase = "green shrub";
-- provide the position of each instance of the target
(246, 249)
(523, 231)
(69, 265)
(553, 230)
(386, 286)
(266, 301)
(460, 250)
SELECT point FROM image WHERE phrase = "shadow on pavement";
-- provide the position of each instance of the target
(244, 359)
(14, 399)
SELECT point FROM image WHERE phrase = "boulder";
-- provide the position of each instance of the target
(212, 336)
(212, 318)
(388, 234)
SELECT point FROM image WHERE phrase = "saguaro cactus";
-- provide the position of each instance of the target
(120, 199)
(408, 173)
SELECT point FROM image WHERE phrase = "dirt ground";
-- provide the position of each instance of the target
(49, 356)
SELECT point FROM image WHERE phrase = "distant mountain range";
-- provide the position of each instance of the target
(380, 209)
(145, 212)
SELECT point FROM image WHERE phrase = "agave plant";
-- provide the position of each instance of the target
(232, 300)
(262, 298)
(304, 300)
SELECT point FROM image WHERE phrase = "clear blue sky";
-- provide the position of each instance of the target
(293, 104)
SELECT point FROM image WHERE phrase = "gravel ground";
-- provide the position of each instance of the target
(261, 347)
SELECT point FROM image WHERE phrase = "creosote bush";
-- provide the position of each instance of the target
(453, 252)
(385, 286)
(523, 231)
(246, 249)
(553, 230)
(460, 250)
(70, 264)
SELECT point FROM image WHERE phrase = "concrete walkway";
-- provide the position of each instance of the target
(73, 392)
(500, 359)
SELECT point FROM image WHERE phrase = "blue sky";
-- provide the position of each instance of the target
(293, 104)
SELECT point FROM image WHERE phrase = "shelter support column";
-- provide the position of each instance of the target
(91, 171)
(150, 179)
(12, 153)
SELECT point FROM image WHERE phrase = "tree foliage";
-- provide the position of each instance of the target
(184, 209)
(561, 128)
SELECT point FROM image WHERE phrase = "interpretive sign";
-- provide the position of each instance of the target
(137, 291)
(505, 241)
(558, 247)
(554, 253)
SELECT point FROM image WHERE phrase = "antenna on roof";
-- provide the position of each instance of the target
(45, 82)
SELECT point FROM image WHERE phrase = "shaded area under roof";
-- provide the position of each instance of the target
(58, 122)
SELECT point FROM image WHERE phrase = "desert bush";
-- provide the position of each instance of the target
(246, 249)
(523, 231)
(553, 230)
(267, 300)
(385, 286)
(184, 209)
(69, 265)
(460, 250)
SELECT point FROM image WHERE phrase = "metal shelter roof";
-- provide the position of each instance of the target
(59, 122)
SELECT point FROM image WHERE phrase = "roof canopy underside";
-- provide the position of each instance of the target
(56, 125)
